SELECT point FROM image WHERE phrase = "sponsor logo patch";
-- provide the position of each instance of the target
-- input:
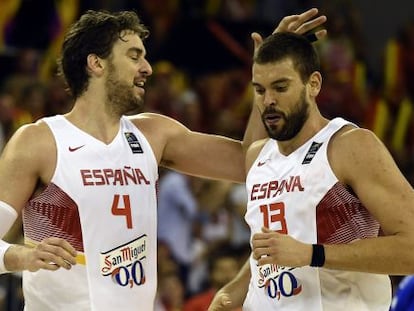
(278, 282)
(133, 142)
(124, 263)
(311, 152)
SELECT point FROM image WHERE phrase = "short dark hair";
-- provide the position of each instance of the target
(95, 32)
(284, 45)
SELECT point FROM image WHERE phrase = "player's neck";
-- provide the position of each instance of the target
(96, 122)
(312, 126)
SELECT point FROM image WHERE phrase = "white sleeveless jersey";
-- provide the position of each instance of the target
(300, 195)
(102, 199)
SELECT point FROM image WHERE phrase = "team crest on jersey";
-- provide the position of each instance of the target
(133, 142)
(124, 263)
(311, 152)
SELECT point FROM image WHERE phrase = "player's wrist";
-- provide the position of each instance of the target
(4, 248)
(16, 258)
(318, 255)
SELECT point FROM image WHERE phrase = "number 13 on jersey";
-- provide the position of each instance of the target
(274, 214)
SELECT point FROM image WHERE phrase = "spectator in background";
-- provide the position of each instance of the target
(267, 11)
(33, 101)
(343, 64)
(26, 72)
(171, 293)
(237, 202)
(200, 251)
(224, 263)
(189, 110)
(398, 97)
(165, 87)
(7, 104)
(215, 218)
(57, 100)
(229, 88)
(177, 210)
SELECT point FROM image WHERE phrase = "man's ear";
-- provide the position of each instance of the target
(95, 64)
(315, 83)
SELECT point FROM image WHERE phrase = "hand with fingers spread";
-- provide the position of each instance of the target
(300, 24)
(50, 254)
(272, 247)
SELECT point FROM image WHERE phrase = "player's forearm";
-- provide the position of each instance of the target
(8, 216)
(254, 130)
(237, 288)
(391, 254)
(384, 255)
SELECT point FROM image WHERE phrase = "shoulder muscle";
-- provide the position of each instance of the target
(29, 155)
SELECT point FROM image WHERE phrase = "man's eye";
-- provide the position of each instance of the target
(281, 88)
(260, 91)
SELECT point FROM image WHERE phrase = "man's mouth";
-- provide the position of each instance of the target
(140, 84)
(272, 118)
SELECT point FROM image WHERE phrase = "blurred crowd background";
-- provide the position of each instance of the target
(201, 55)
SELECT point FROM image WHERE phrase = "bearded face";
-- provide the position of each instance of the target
(122, 98)
(287, 125)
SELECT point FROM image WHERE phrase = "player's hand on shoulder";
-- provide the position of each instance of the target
(50, 254)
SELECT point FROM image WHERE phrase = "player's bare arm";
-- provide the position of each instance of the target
(361, 161)
(27, 159)
(233, 294)
(23, 163)
(176, 147)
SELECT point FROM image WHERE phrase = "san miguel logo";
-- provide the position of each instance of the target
(124, 263)
(278, 281)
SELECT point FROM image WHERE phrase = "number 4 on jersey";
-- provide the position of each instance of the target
(274, 213)
(123, 210)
